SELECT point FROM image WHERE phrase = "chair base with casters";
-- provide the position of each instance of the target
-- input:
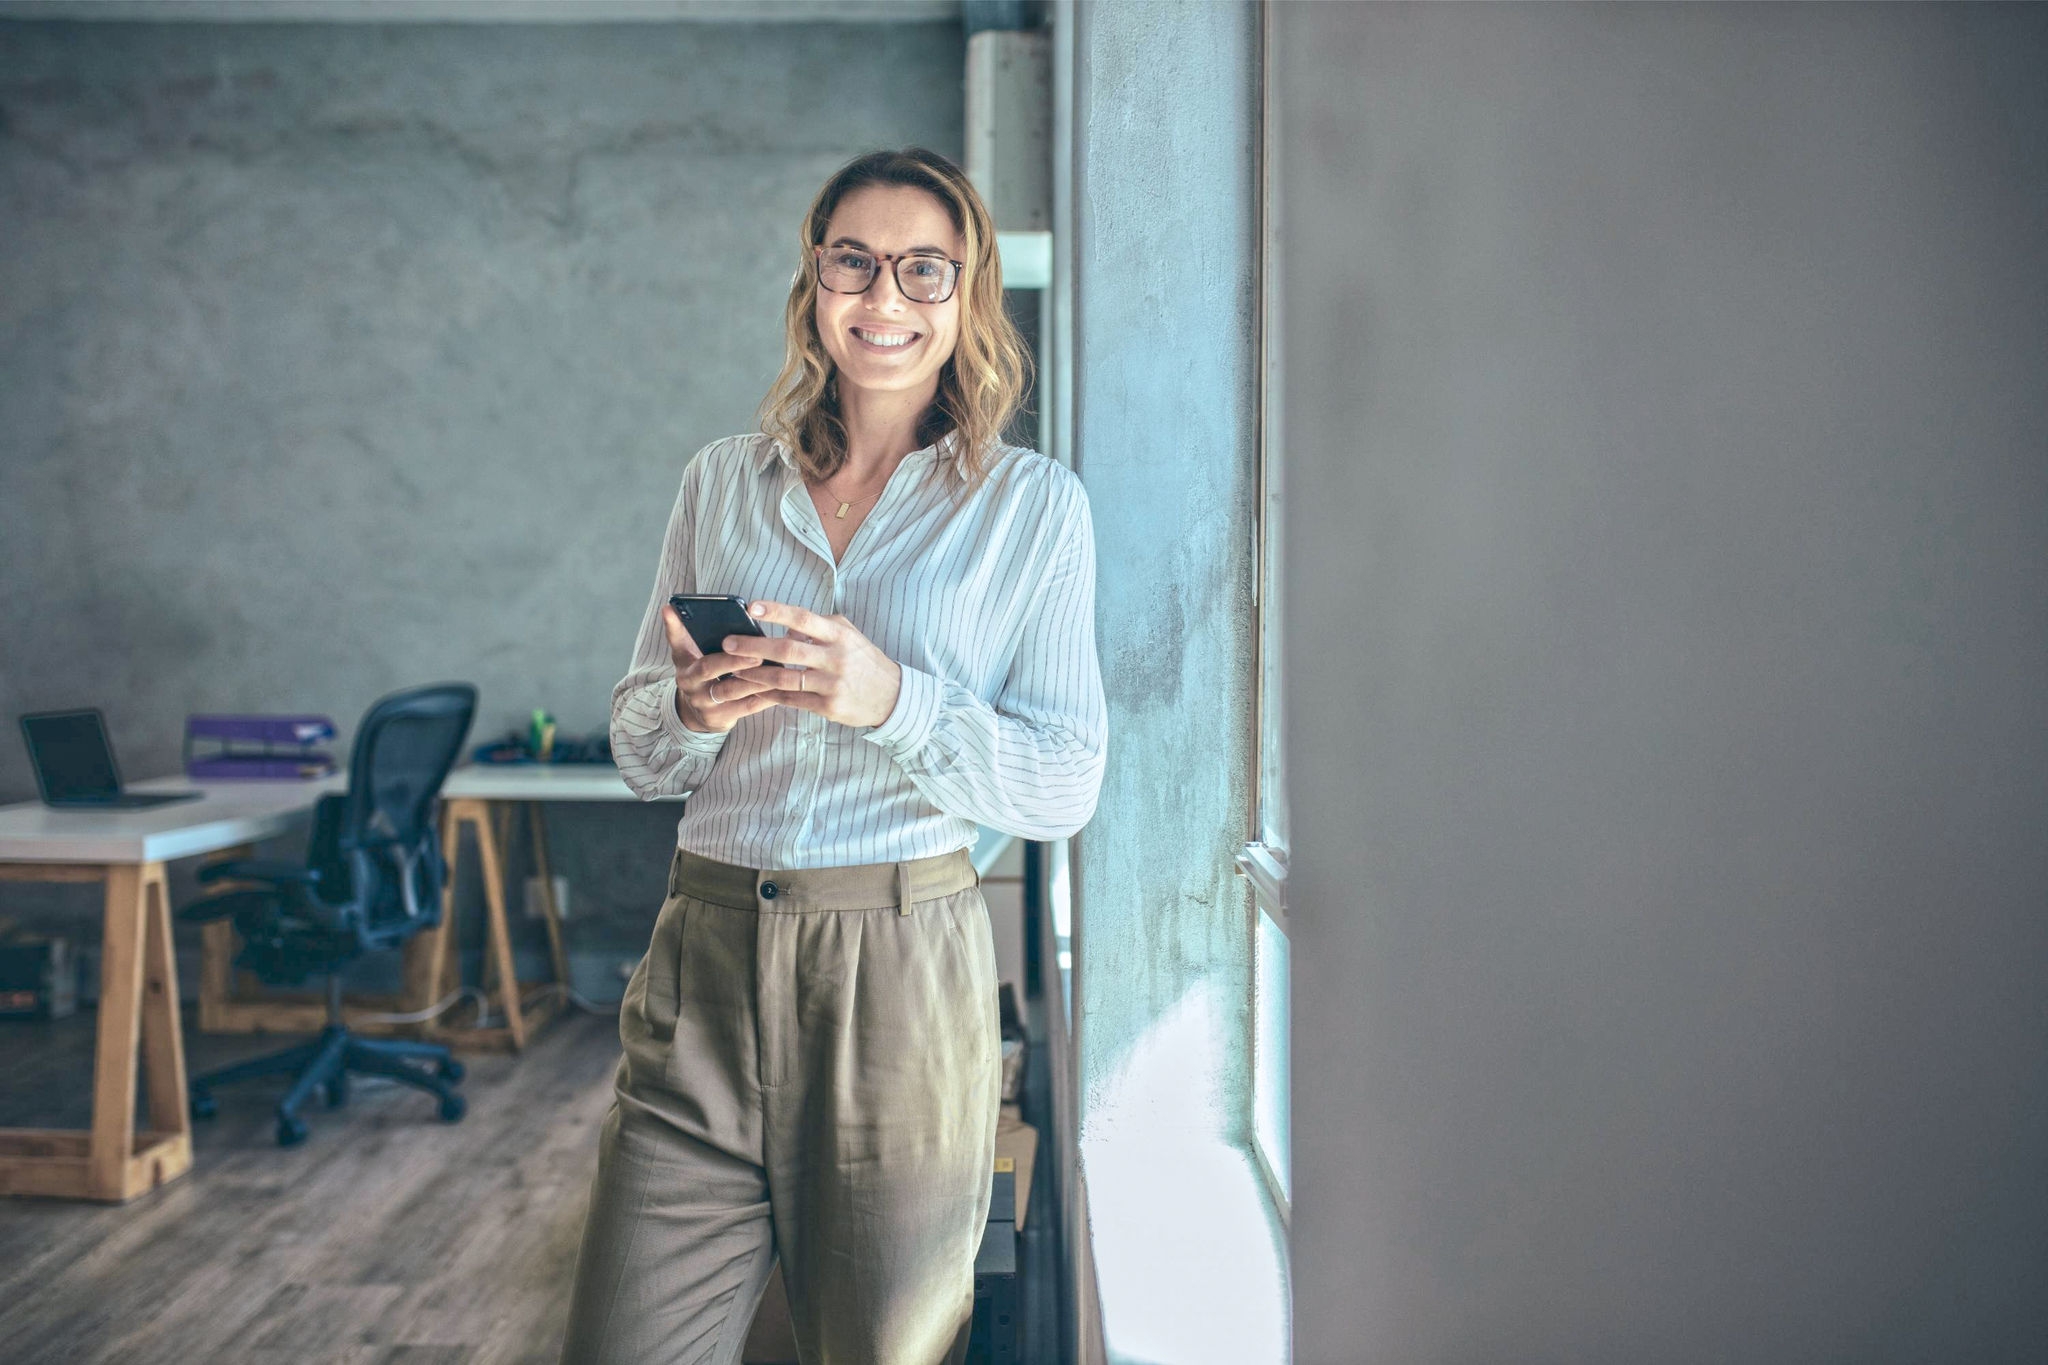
(324, 1063)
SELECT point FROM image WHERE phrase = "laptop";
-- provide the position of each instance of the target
(74, 763)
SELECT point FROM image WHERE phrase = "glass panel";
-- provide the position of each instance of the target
(1269, 1055)
(1060, 901)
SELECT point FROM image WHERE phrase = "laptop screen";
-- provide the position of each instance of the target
(73, 756)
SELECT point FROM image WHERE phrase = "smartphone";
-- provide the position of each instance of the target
(710, 617)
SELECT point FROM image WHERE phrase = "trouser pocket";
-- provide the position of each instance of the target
(647, 1011)
(967, 915)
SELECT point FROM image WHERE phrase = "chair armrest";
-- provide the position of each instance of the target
(259, 870)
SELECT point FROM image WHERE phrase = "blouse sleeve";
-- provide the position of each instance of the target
(1031, 764)
(657, 754)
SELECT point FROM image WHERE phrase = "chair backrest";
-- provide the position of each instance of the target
(385, 836)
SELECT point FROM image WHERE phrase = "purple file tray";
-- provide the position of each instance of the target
(291, 730)
(257, 746)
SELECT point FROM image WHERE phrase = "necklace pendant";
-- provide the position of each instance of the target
(841, 513)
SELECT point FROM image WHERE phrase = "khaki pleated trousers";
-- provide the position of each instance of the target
(810, 1071)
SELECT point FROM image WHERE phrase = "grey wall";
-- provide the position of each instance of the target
(1667, 558)
(335, 359)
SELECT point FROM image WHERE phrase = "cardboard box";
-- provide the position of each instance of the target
(1018, 1141)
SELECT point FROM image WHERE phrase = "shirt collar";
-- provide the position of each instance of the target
(772, 451)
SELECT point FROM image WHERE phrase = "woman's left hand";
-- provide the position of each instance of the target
(844, 676)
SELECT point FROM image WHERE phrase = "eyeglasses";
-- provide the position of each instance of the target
(922, 278)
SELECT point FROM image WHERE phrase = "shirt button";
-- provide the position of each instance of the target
(769, 891)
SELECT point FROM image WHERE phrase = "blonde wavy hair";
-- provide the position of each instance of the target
(981, 385)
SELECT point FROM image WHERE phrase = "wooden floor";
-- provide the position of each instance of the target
(386, 1238)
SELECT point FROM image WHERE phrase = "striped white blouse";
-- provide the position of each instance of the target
(987, 604)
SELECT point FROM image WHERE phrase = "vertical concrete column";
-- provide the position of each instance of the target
(1164, 422)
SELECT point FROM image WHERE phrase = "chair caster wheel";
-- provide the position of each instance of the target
(450, 1070)
(453, 1107)
(337, 1092)
(290, 1132)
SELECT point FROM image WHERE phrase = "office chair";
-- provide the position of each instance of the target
(373, 877)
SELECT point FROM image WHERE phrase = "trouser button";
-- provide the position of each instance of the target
(768, 891)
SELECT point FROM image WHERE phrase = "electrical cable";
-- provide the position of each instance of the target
(483, 1006)
(558, 988)
(439, 1007)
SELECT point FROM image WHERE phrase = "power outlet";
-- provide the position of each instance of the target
(534, 907)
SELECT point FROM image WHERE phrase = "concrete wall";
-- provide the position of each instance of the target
(1164, 422)
(335, 359)
(1164, 417)
(1667, 560)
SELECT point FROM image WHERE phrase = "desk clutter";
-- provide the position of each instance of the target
(258, 746)
(539, 743)
(284, 747)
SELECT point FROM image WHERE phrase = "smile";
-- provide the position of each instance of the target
(884, 341)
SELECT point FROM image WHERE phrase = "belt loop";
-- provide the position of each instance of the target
(903, 888)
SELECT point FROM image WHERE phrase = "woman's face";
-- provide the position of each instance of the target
(858, 329)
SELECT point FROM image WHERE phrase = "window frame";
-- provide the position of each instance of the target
(1262, 860)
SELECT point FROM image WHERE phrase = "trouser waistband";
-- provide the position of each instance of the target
(861, 886)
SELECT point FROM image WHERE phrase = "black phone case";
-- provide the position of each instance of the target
(709, 619)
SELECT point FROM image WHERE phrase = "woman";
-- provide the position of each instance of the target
(811, 1060)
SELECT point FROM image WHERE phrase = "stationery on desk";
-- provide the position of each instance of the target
(258, 746)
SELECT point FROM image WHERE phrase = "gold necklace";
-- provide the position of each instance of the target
(840, 515)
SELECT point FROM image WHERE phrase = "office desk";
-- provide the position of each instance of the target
(125, 851)
(138, 1025)
(484, 797)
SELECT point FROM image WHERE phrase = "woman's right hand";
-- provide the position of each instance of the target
(698, 676)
